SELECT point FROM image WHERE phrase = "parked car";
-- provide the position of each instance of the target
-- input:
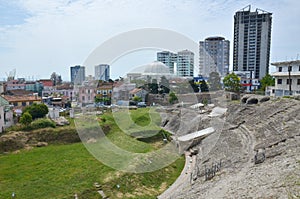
(141, 105)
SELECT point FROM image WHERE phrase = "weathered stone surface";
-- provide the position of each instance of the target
(269, 130)
(260, 156)
(61, 121)
(41, 144)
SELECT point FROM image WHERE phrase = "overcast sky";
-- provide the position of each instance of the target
(38, 37)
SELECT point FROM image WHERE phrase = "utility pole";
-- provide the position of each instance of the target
(290, 81)
(250, 88)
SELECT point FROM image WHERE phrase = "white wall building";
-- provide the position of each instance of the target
(185, 63)
(283, 78)
(169, 59)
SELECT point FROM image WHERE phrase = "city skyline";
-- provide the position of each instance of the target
(41, 38)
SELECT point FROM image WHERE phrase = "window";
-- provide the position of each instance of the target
(288, 81)
(23, 103)
(298, 81)
(280, 69)
(279, 81)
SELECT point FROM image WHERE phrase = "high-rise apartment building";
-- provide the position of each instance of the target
(169, 59)
(185, 63)
(102, 72)
(252, 40)
(214, 56)
(77, 74)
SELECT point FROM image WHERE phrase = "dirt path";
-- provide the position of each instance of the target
(183, 180)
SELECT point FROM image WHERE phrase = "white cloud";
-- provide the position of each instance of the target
(59, 33)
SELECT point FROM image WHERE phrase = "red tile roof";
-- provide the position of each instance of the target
(24, 98)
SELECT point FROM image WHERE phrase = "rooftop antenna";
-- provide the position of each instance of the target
(263, 11)
(248, 6)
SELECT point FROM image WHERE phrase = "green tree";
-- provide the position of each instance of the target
(37, 110)
(172, 98)
(97, 99)
(232, 83)
(164, 85)
(267, 80)
(203, 86)
(214, 81)
(153, 87)
(26, 119)
(137, 99)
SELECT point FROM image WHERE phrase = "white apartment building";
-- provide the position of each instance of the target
(185, 63)
(214, 56)
(284, 80)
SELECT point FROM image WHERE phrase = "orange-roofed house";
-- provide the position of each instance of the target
(22, 101)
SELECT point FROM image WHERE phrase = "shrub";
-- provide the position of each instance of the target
(37, 110)
(42, 123)
(26, 119)
(172, 98)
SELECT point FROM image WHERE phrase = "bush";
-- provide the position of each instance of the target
(36, 110)
(26, 119)
(172, 98)
(42, 123)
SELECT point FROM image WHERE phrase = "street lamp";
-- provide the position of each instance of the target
(290, 82)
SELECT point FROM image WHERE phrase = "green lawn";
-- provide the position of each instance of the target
(60, 171)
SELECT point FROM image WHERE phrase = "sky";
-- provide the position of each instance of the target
(38, 37)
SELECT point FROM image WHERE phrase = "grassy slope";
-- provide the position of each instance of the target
(59, 171)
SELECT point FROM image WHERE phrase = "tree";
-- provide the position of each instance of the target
(36, 110)
(137, 99)
(56, 79)
(164, 85)
(153, 87)
(232, 83)
(172, 98)
(203, 86)
(26, 119)
(267, 80)
(214, 81)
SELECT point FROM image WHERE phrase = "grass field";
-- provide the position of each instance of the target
(60, 171)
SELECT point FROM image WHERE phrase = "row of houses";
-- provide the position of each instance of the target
(108, 92)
